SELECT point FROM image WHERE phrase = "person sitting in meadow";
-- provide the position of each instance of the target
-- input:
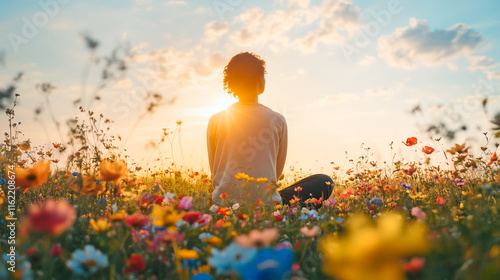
(247, 143)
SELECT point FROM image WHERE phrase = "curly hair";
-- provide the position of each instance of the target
(243, 70)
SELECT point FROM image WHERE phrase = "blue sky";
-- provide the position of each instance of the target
(429, 53)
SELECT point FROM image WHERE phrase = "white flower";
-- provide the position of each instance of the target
(214, 208)
(88, 261)
(236, 206)
(114, 208)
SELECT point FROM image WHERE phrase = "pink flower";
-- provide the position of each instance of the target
(257, 238)
(330, 203)
(204, 220)
(418, 213)
(315, 230)
(185, 203)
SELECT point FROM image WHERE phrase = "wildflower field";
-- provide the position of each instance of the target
(103, 218)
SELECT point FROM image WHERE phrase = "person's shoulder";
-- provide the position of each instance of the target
(275, 115)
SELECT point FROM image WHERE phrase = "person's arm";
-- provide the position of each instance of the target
(283, 146)
(211, 144)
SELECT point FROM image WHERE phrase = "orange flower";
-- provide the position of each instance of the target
(118, 216)
(494, 158)
(113, 171)
(53, 217)
(33, 177)
(87, 185)
(411, 141)
(224, 195)
(428, 150)
(56, 145)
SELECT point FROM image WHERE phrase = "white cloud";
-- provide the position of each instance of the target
(176, 3)
(417, 45)
(337, 98)
(331, 22)
(367, 60)
(215, 30)
(381, 92)
(493, 74)
(481, 62)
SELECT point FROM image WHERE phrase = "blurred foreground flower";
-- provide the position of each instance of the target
(373, 251)
(113, 171)
(257, 238)
(52, 218)
(88, 261)
(134, 264)
(165, 216)
(32, 177)
(268, 264)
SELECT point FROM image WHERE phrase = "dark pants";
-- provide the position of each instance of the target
(314, 186)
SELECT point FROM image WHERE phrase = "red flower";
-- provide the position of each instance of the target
(134, 264)
(56, 250)
(440, 200)
(222, 211)
(224, 195)
(428, 150)
(30, 251)
(411, 141)
(158, 199)
(137, 220)
(192, 216)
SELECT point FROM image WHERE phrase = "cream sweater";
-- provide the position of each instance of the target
(249, 138)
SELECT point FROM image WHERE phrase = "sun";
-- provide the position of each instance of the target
(221, 103)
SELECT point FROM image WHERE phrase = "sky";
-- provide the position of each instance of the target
(345, 74)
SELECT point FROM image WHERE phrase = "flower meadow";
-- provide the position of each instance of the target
(100, 217)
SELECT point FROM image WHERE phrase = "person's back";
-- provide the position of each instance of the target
(246, 138)
(247, 143)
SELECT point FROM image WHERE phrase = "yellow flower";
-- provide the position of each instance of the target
(202, 269)
(113, 171)
(241, 175)
(261, 180)
(214, 240)
(165, 216)
(187, 254)
(369, 251)
(101, 225)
